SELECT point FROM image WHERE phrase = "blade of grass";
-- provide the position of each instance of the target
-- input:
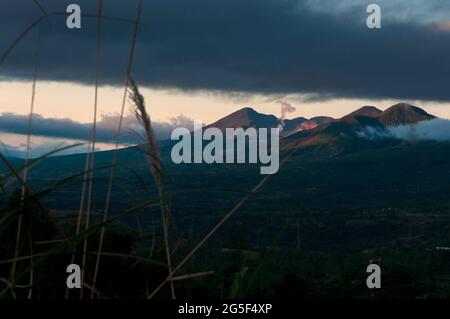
(81, 207)
(94, 133)
(30, 290)
(117, 142)
(41, 8)
(19, 38)
(192, 276)
(27, 153)
(153, 159)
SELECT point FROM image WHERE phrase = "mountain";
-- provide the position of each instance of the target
(334, 136)
(327, 127)
(248, 117)
(341, 135)
(399, 114)
(366, 115)
(369, 111)
(245, 118)
(403, 113)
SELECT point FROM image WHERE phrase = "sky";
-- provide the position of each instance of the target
(203, 59)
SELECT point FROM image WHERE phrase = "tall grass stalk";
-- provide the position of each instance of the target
(81, 207)
(116, 145)
(27, 155)
(42, 9)
(151, 152)
(194, 275)
(30, 290)
(93, 142)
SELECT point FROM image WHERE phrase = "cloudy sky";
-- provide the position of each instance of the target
(206, 58)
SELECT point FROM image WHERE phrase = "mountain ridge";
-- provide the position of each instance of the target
(398, 114)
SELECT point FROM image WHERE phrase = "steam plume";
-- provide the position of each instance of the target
(286, 108)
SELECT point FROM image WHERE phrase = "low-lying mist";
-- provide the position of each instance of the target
(432, 130)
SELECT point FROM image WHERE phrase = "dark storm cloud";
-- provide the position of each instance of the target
(106, 127)
(261, 46)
